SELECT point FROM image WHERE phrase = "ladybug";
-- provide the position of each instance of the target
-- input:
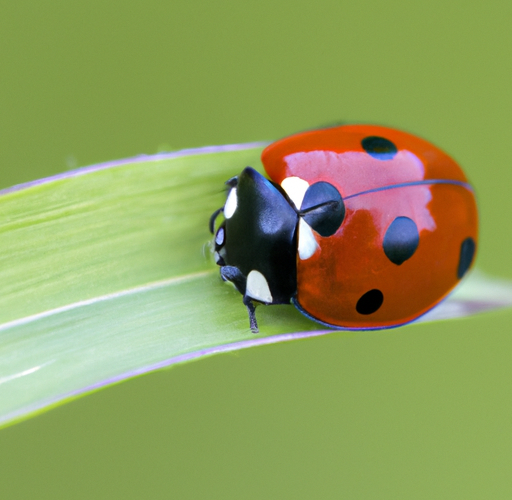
(361, 227)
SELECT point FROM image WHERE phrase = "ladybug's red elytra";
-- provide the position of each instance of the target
(360, 227)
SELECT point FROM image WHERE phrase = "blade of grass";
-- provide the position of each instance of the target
(106, 274)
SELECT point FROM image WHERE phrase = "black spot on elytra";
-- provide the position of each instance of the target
(401, 240)
(323, 208)
(370, 302)
(379, 148)
(467, 252)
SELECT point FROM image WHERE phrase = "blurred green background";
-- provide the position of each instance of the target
(419, 412)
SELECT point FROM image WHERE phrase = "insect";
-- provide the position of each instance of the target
(359, 226)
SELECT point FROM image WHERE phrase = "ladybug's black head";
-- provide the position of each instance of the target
(258, 239)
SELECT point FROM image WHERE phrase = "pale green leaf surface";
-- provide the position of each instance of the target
(106, 274)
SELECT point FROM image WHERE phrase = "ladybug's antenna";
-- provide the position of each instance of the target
(211, 224)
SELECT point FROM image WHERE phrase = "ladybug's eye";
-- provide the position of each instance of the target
(323, 208)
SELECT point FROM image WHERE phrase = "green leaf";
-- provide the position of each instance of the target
(106, 274)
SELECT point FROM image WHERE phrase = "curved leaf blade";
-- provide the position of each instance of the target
(105, 275)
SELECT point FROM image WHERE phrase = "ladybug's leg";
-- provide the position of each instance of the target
(251, 309)
(235, 276)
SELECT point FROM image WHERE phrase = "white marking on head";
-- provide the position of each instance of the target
(219, 237)
(257, 287)
(216, 257)
(231, 204)
(307, 241)
(295, 188)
